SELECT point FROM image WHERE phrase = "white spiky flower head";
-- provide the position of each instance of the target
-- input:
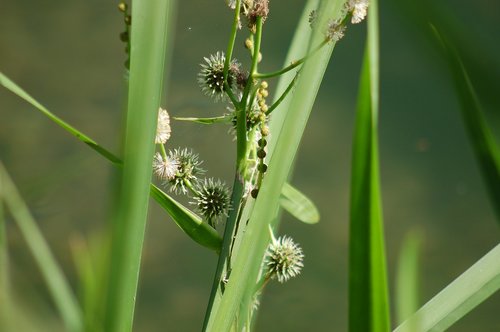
(359, 9)
(188, 170)
(211, 76)
(284, 258)
(165, 168)
(163, 129)
(213, 200)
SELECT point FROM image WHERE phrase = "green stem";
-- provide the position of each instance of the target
(231, 95)
(232, 39)
(163, 151)
(223, 264)
(293, 65)
(191, 188)
(241, 127)
(283, 95)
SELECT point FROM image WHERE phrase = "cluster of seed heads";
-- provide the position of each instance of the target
(125, 35)
(355, 10)
(181, 170)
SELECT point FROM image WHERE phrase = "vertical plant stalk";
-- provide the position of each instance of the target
(246, 261)
(148, 47)
(58, 286)
(368, 298)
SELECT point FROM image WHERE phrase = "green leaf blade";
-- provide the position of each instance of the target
(148, 49)
(368, 298)
(482, 140)
(58, 286)
(470, 289)
(298, 205)
(188, 221)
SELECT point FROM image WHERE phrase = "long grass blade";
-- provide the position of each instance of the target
(470, 289)
(368, 296)
(298, 204)
(147, 68)
(248, 260)
(58, 286)
(13, 87)
(201, 233)
(407, 279)
(5, 296)
(483, 142)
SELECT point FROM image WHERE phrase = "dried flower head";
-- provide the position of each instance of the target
(188, 169)
(163, 127)
(283, 258)
(256, 8)
(358, 8)
(212, 200)
(165, 168)
(335, 30)
(211, 76)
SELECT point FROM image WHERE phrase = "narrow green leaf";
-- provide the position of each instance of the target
(187, 221)
(5, 296)
(247, 262)
(147, 63)
(13, 87)
(58, 286)
(480, 136)
(470, 289)
(407, 279)
(91, 259)
(216, 119)
(298, 204)
(368, 296)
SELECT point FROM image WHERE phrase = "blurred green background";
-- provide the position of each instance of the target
(68, 55)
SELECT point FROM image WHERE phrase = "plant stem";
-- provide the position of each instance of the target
(283, 95)
(292, 65)
(232, 39)
(241, 126)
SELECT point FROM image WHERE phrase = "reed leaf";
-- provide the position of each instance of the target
(147, 55)
(407, 279)
(57, 284)
(481, 138)
(368, 298)
(470, 289)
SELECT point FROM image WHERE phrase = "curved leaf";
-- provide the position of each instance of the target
(298, 204)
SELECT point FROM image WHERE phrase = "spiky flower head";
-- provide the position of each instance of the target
(358, 8)
(165, 168)
(188, 170)
(335, 30)
(212, 200)
(283, 258)
(211, 76)
(163, 127)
